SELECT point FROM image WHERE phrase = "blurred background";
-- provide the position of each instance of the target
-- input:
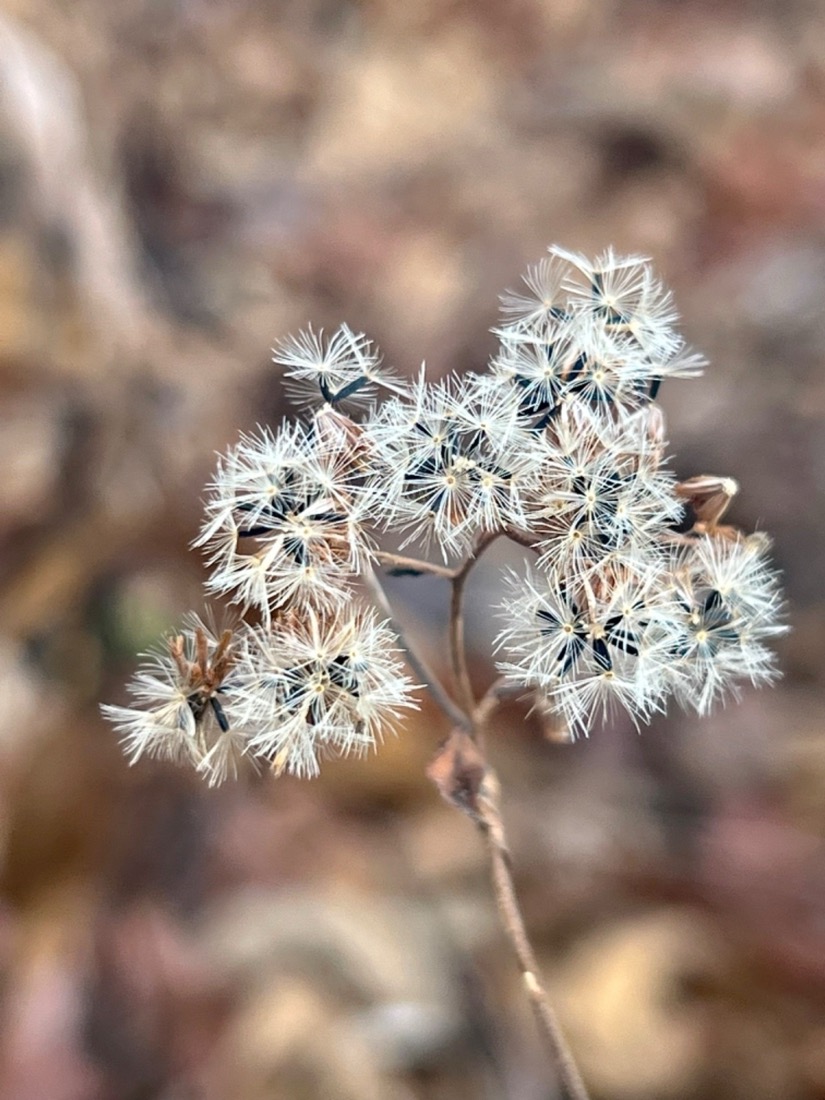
(181, 183)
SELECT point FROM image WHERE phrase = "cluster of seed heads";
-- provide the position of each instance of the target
(635, 591)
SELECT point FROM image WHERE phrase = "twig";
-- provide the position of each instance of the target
(467, 781)
(522, 538)
(422, 670)
(498, 690)
(414, 565)
(465, 778)
(492, 828)
(458, 653)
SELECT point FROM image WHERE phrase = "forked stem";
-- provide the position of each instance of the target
(467, 781)
(413, 565)
(419, 665)
(458, 650)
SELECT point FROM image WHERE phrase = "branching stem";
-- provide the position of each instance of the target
(458, 652)
(414, 565)
(498, 690)
(418, 664)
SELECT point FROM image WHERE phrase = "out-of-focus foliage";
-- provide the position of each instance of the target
(180, 185)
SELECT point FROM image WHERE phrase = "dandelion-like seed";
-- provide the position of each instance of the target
(546, 299)
(316, 685)
(601, 332)
(632, 305)
(728, 608)
(589, 646)
(285, 521)
(537, 370)
(453, 461)
(603, 496)
(343, 369)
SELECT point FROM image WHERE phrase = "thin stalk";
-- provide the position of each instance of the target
(418, 664)
(498, 690)
(512, 922)
(472, 718)
(522, 538)
(399, 561)
(487, 814)
(458, 652)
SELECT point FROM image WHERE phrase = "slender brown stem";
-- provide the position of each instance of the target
(522, 538)
(676, 538)
(458, 652)
(418, 664)
(492, 828)
(399, 561)
(485, 809)
(494, 694)
(482, 802)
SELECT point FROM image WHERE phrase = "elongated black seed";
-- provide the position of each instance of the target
(220, 714)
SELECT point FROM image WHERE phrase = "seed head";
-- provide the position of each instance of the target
(183, 711)
(589, 646)
(728, 606)
(318, 684)
(560, 445)
(602, 497)
(285, 521)
(453, 460)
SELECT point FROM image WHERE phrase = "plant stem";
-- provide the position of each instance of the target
(472, 718)
(487, 815)
(418, 664)
(494, 694)
(416, 565)
(522, 538)
(458, 652)
(512, 921)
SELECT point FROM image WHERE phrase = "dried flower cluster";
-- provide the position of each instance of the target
(636, 592)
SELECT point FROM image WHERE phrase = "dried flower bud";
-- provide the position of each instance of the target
(183, 711)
